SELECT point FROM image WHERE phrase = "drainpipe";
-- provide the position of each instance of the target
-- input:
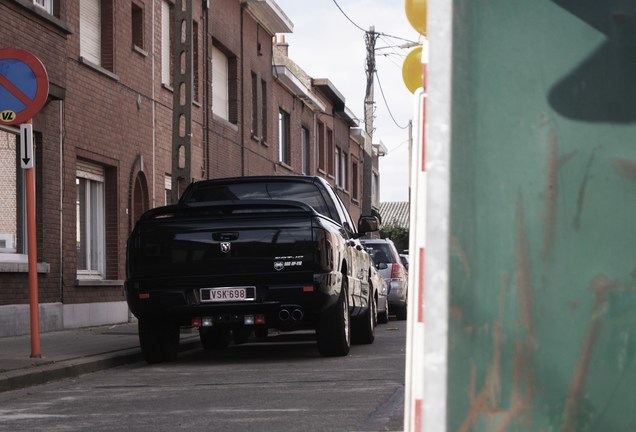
(240, 123)
(206, 90)
(154, 113)
(61, 153)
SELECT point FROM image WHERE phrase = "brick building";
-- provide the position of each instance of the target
(105, 143)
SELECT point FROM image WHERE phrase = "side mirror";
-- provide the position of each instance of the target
(368, 224)
(382, 266)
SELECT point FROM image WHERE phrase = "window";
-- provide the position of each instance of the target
(321, 146)
(47, 5)
(354, 180)
(168, 189)
(224, 85)
(96, 32)
(166, 44)
(90, 222)
(264, 111)
(337, 167)
(330, 152)
(220, 87)
(342, 174)
(254, 106)
(137, 21)
(305, 146)
(375, 188)
(284, 147)
(12, 201)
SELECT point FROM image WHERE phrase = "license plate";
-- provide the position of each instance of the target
(228, 294)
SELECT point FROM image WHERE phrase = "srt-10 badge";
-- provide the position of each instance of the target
(287, 261)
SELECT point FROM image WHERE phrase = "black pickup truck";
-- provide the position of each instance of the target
(240, 256)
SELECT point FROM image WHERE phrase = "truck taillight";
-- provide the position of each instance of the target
(396, 271)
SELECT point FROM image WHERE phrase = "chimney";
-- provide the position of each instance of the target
(283, 46)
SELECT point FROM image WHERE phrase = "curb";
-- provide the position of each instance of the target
(22, 378)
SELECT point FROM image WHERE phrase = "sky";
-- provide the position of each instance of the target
(328, 41)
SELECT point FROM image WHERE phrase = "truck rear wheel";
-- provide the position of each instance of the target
(334, 332)
(364, 326)
(158, 339)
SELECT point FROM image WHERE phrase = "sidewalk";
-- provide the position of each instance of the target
(69, 353)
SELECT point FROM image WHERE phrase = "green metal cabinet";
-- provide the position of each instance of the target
(542, 214)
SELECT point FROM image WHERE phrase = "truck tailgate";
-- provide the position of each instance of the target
(237, 248)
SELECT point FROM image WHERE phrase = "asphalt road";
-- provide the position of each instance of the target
(279, 385)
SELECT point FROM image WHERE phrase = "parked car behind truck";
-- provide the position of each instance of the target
(387, 261)
(249, 254)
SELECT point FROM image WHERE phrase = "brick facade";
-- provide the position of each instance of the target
(118, 116)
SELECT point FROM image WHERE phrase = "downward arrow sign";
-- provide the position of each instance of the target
(26, 145)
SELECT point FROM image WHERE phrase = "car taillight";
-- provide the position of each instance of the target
(396, 271)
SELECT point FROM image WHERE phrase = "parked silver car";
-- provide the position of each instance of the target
(387, 260)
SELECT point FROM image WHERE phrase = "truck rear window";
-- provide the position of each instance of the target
(303, 192)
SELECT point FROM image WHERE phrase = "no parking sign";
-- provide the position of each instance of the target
(24, 86)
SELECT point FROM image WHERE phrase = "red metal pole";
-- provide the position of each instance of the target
(33, 261)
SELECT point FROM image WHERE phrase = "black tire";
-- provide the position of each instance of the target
(383, 317)
(158, 339)
(400, 314)
(214, 338)
(333, 333)
(364, 326)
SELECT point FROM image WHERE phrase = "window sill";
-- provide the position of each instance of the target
(63, 26)
(224, 121)
(284, 165)
(99, 69)
(22, 267)
(139, 50)
(99, 282)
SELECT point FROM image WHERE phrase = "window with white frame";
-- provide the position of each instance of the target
(91, 31)
(330, 152)
(166, 43)
(90, 221)
(305, 146)
(12, 202)
(168, 189)
(255, 107)
(354, 179)
(337, 167)
(320, 148)
(220, 84)
(284, 145)
(375, 189)
(97, 33)
(47, 5)
(264, 111)
(344, 170)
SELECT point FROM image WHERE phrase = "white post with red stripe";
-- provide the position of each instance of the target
(425, 402)
(414, 389)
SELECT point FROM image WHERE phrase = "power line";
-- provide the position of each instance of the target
(347, 17)
(361, 29)
(387, 105)
(370, 37)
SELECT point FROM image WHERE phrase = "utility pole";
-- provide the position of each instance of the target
(182, 98)
(367, 174)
